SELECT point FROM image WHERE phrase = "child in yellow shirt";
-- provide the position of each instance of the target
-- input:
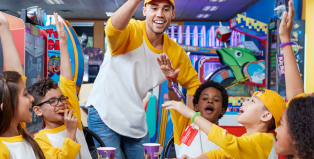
(295, 135)
(15, 142)
(259, 115)
(63, 137)
(210, 99)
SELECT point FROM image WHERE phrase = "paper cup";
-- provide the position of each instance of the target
(106, 152)
(151, 150)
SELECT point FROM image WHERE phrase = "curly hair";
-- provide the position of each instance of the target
(39, 89)
(301, 125)
(216, 85)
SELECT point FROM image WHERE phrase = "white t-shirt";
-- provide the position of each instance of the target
(15, 148)
(199, 145)
(129, 70)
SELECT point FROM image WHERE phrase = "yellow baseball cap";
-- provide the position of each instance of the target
(273, 102)
(171, 1)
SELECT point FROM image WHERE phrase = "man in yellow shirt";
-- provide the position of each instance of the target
(259, 115)
(116, 112)
(62, 137)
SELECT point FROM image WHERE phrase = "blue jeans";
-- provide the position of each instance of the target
(131, 148)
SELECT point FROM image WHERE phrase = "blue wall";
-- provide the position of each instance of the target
(262, 11)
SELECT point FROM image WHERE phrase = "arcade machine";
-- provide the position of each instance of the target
(31, 46)
(240, 71)
(75, 51)
(37, 44)
(297, 36)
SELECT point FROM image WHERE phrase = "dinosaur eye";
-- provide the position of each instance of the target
(238, 53)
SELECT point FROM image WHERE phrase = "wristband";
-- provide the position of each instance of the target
(170, 88)
(195, 115)
(287, 43)
(172, 79)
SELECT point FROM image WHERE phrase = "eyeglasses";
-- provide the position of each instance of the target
(55, 101)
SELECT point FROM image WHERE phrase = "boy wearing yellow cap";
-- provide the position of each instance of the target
(259, 115)
(129, 70)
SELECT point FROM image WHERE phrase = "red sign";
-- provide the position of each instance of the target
(188, 135)
(52, 45)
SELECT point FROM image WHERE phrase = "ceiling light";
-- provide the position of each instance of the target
(199, 16)
(109, 14)
(203, 15)
(54, 1)
(214, 8)
(59, 1)
(206, 16)
(206, 8)
(49, 1)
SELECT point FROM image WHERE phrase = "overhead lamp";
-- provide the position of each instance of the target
(54, 1)
(206, 8)
(199, 15)
(203, 16)
(59, 1)
(206, 16)
(214, 8)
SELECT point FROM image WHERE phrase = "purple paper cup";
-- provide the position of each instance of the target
(151, 150)
(106, 152)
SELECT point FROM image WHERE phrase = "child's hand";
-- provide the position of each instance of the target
(70, 120)
(180, 107)
(61, 32)
(166, 68)
(287, 24)
(186, 157)
(3, 21)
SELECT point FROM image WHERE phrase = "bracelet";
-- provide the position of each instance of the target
(170, 89)
(172, 79)
(195, 115)
(285, 44)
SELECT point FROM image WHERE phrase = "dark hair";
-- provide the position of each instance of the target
(301, 125)
(272, 123)
(39, 89)
(9, 98)
(216, 85)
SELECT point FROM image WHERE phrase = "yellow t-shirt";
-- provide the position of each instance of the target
(129, 71)
(54, 142)
(258, 145)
